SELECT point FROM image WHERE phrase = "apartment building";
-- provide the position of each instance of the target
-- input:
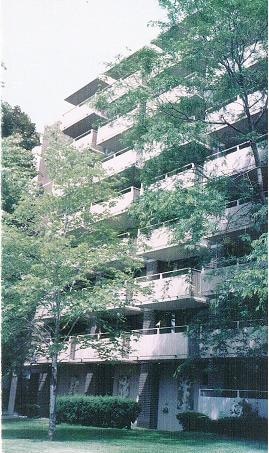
(180, 287)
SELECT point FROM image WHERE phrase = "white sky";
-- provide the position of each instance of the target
(51, 48)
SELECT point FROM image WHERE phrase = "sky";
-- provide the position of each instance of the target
(51, 48)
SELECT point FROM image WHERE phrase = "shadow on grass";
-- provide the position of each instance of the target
(37, 430)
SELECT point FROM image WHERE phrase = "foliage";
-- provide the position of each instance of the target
(211, 60)
(194, 421)
(70, 256)
(15, 121)
(249, 427)
(68, 247)
(103, 411)
(249, 282)
(18, 171)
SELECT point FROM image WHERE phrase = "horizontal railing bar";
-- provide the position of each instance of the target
(175, 171)
(183, 270)
(118, 153)
(119, 193)
(234, 148)
(237, 323)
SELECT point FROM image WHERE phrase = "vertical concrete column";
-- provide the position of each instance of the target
(90, 385)
(151, 267)
(92, 325)
(94, 137)
(12, 394)
(149, 320)
(148, 395)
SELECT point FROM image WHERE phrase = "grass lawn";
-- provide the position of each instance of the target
(27, 436)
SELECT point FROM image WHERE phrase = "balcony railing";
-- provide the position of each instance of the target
(181, 284)
(217, 403)
(185, 176)
(77, 114)
(232, 393)
(237, 159)
(234, 111)
(118, 205)
(154, 343)
(117, 162)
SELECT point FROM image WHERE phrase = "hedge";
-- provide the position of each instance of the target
(249, 427)
(194, 421)
(101, 411)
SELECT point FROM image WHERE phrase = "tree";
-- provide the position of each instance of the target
(203, 90)
(78, 265)
(19, 137)
(15, 121)
(17, 172)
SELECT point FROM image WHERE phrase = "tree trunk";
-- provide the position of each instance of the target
(53, 396)
(258, 171)
(254, 148)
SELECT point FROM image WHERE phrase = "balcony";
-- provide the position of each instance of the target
(116, 127)
(237, 216)
(89, 90)
(217, 403)
(87, 140)
(243, 339)
(234, 111)
(159, 243)
(116, 206)
(164, 343)
(119, 161)
(149, 344)
(80, 119)
(234, 160)
(183, 177)
(170, 290)
(215, 275)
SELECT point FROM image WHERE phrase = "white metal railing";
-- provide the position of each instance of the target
(130, 189)
(169, 329)
(162, 275)
(176, 171)
(224, 262)
(233, 393)
(151, 331)
(234, 148)
(118, 153)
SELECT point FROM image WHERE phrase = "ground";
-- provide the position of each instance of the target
(28, 436)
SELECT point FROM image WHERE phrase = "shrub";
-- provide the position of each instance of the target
(246, 426)
(102, 411)
(251, 427)
(194, 421)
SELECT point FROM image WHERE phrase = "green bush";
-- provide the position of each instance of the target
(194, 421)
(102, 411)
(248, 426)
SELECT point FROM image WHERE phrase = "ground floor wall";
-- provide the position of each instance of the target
(161, 391)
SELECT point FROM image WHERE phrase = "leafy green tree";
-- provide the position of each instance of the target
(15, 121)
(202, 91)
(18, 171)
(78, 266)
